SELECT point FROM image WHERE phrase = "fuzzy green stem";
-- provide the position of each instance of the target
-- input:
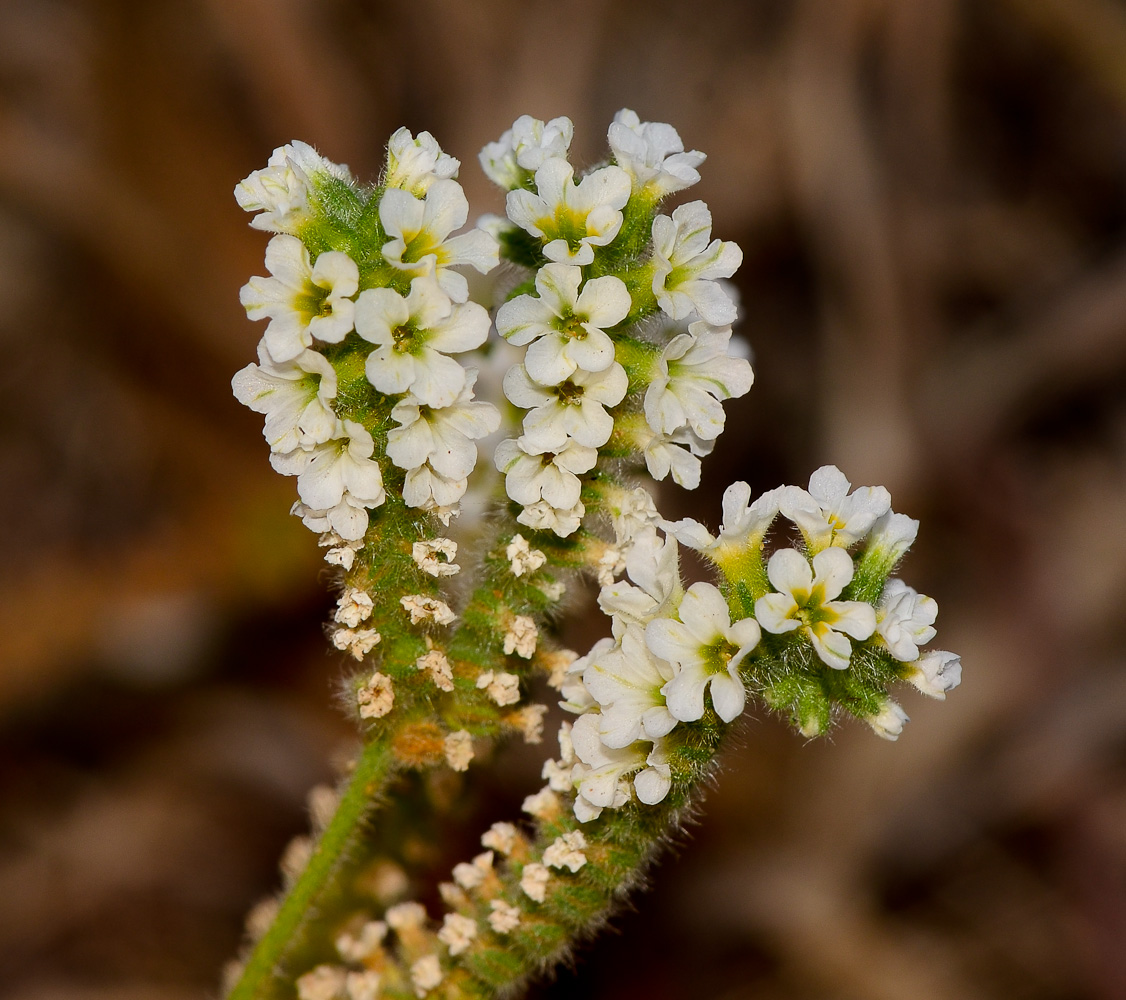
(264, 971)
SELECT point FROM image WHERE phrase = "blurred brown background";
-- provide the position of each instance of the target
(931, 197)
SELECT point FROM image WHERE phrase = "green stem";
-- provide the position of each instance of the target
(264, 969)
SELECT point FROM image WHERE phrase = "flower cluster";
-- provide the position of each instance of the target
(593, 382)
(395, 313)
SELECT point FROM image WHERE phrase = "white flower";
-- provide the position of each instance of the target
(500, 837)
(557, 775)
(522, 558)
(420, 236)
(653, 564)
(363, 985)
(522, 149)
(633, 514)
(358, 642)
(376, 697)
(425, 555)
(891, 536)
(457, 932)
(406, 917)
(438, 665)
(426, 974)
(504, 918)
(563, 521)
(520, 637)
(575, 408)
(905, 620)
(686, 267)
(675, 453)
(936, 672)
(470, 875)
(744, 524)
(533, 880)
(296, 397)
(324, 982)
(281, 190)
(503, 688)
(428, 490)
(532, 473)
(602, 775)
(571, 218)
(566, 851)
(828, 514)
(353, 607)
(653, 155)
(355, 948)
(304, 301)
(694, 372)
(529, 720)
(413, 164)
(888, 722)
(443, 437)
(805, 600)
(708, 649)
(458, 748)
(328, 472)
(567, 325)
(414, 335)
(626, 681)
(544, 805)
(341, 552)
(422, 608)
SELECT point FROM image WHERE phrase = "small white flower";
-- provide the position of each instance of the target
(504, 918)
(303, 301)
(376, 697)
(708, 649)
(557, 775)
(566, 851)
(328, 472)
(349, 519)
(296, 397)
(324, 982)
(457, 932)
(676, 454)
(413, 338)
(522, 558)
(905, 620)
(426, 974)
(686, 267)
(500, 837)
(503, 688)
(543, 805)
(470, 875)
(363, 985)
(413, 164)
(425, 555)
(602, 775)
(626, 681)
(520, 637)
(428, 490)
(571, 218)
(458, 748)
(357, 642)
(828, 514)
(281, 190)
(653, 155)
(889, 721)
(574, 408)
(533, 473)
(522, 150)
(529, 720)
(422, 608)
(420, 242)
(353, 607)
(608, 564)
(744, 524)
(936, 672)
(633, 514)
(357, 947)
(341, 552)
(653, 564)
(695, 372)
(891, 536)
(533, 880)
(438, 665)
(565, 326)
(563, 521)
(805, 600)
(405, 917)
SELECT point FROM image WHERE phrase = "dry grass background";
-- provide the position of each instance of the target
(931, 196)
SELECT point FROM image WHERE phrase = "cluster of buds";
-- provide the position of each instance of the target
(626, 320)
